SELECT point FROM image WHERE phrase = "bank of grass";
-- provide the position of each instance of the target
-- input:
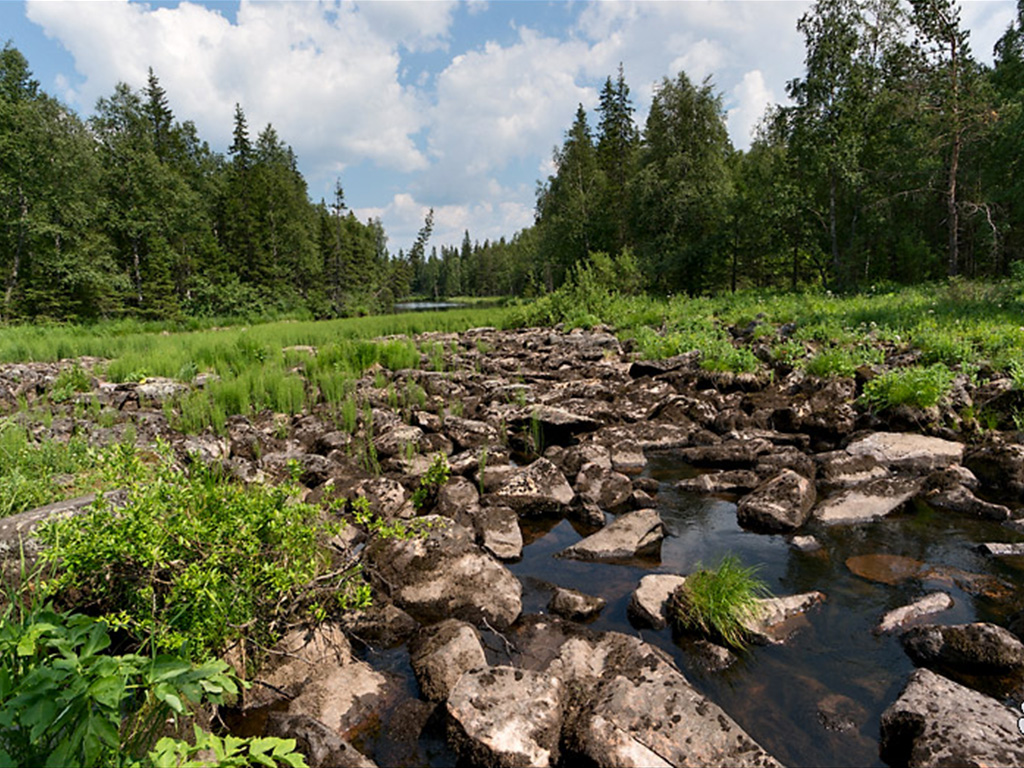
(958, 323)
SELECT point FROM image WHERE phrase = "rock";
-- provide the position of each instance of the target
(556, 426)
(459, 500)
(729, 481)
(649, 602)
(497, 531)
(868, 502)
(466, 433)
(636, 534)
(936, 722)
(644, 713)
(628, 457)
(495, 476)
(608, 489)
(1000, 549)
(936, 602)
(907, 452)
(573, 605)
(444, 574)
(885, 568)
(712, 657)
(347, 699)
(772, 625)
(397, 440)
(739, 454)
(502, 717)
(441, 653)
(979, 648)
(960, 500)
(838, 470)
(17, 532)
(574, 458)
(298, 657)
(322, 747)
(805, 543)
(383, 624)
(537, 489)
(770, 464)
(781, 504)
(387, 497)
(999, 468)
(156, 390)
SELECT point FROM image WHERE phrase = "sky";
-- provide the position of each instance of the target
(451, 105)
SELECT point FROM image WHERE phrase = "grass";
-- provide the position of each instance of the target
(719, 603)
(917, 386)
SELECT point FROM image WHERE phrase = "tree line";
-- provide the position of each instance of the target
(130, 213)
(900, 158)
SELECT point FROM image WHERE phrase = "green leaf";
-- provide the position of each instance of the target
(108, 691)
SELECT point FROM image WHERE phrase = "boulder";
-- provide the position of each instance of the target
(936, 722)
(444, 574)
(871, 501)
(382, 625)
(978, 649)
(729, 481)
(635, 534)
(387, 497)
(347, 699)
(459, 500)
(156, 390)
(497, 530)
(918, 454)
(441, 653)
(575, 457)
(17, 532)
(297, 658)
(838, 470)
(999, 468)
(601, 485)
(1002, 549)
(649, 601)
(773, 622)
(960, 500)
(503, 717)
(397, 440)
(628, 457)
(322, 747)
(781, 504)
(466, 433)
(557, 426)
(731, 454)
(536, 489)
(932, 603)
(574, 605)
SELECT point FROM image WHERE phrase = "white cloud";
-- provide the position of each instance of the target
(751, 95)
(419, 26)
(321, 73)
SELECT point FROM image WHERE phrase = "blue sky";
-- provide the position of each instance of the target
(454, 105)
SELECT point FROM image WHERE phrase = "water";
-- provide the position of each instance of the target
(425, 306)
(818, 699)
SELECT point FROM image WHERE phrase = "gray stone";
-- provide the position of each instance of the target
(502, 717)
(960, 500)
(322, 747)
(397, 440)
(497, 531)
(999, 468)
(466, 433)
(347, 699)
(459, 500)
(781, 504)
(636, 534)
(739, 454)
(868, 502)
(979, 648)
(17, 532)
(838, 470)
(773, 621)
(444, 574)
(649, 602)
(805, 543)
(936, 602)
(441, 653)
(297, 658)
(536, 489)
(729, 481)
(574, 605)
(608, 489)
(1002, 549)
(936, 722)
(908, 452)
(156, 390)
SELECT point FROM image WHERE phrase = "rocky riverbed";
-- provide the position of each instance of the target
(528, 626)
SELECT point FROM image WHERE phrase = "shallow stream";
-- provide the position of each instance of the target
(814, 701)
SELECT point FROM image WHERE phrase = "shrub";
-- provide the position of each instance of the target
(719, 603)
(68, 382)
(915, 386)
(192, 560)
(840, 361)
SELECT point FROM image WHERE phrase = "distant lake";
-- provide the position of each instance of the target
(423, 306)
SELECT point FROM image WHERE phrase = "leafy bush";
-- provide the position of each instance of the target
(192, 560)
(435, 478)
(841, 361)
(68, 382)
(719, 603)
(915, 386)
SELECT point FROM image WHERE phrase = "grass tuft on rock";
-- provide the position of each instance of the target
(719, 603)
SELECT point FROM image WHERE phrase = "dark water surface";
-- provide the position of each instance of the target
(818, 699)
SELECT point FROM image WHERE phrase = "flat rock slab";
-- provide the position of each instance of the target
(636, 534)
(936, 602)
(444, 574)
(537, 489)
(17, 532)
(868, 502)
(503, 717)
(936, 722)
(729, 481)
(774, 622)
(908, 452)
(649, 602)
(1001, 549)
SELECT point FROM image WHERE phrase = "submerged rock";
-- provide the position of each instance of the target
(936, 602)
(885, 568)
(936, 722)
(868, 502)
(575, 605)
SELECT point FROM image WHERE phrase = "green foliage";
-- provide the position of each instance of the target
(69, 382)
(228, 752)
(720, 602)
(842, 361)
(191, 561)
(917, 386)
(436, 477)
(64, 702)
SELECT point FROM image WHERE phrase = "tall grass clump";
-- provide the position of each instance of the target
(917, 386)
(719, 603)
